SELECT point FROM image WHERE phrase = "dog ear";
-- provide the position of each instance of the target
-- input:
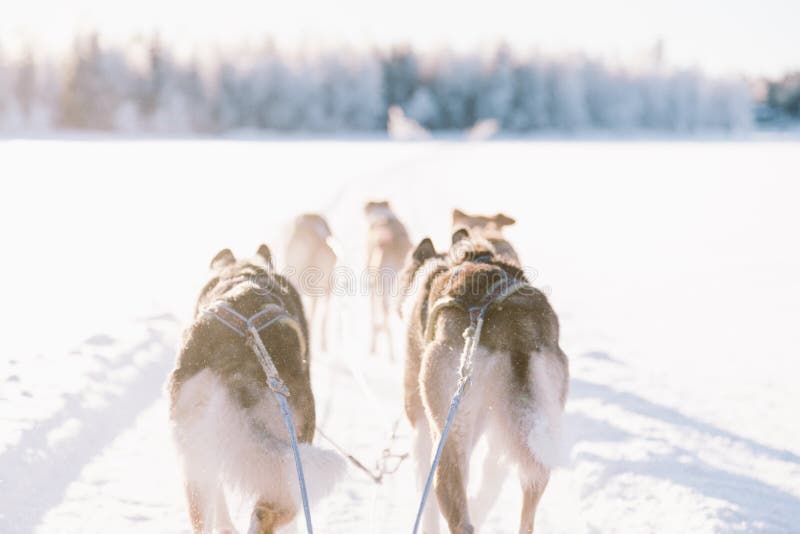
(265, 254)
(460, 235)
(503, 220)
(424, 251)
(459, 217)
(224, 257)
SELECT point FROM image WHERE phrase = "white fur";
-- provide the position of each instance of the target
(219, 442)
(493, 474)
(522, 431)
(535, 418)
(544, 438)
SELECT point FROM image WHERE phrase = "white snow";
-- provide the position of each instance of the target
(673, 267)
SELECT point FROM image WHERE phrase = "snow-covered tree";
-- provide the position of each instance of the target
(96, 83)
(529, 107)
(455, 83)
(567, 96)
(496, 91)
(401, 75)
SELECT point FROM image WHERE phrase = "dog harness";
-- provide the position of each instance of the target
(497, 293)
(270, 315)
(249, 328)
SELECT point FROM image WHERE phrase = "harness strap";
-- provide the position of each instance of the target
(281, 392)
(271, 314)
(497, 293)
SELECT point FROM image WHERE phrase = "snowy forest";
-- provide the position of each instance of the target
(781, 103)
(103, 87)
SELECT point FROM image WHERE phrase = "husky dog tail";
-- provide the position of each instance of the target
(322, 468)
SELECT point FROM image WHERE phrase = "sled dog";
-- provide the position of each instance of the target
(226, 422)
(388, 245)
(311, 259)
(519, 379)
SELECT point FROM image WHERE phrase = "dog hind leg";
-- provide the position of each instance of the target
(493, 474)
(222, 517)
(373, 300)
(387, 327)
(422, 457)
(200, 500)
(531, 494)
(437, 382)
(533, 474)
(451, 490)
(267, 517)
(536, 436)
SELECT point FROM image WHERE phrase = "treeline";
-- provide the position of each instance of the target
(109, 88)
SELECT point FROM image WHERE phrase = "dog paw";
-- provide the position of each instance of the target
(227, 530)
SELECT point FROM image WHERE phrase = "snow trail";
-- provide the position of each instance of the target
(667, 263)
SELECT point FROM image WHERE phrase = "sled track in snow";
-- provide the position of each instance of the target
(36, 472)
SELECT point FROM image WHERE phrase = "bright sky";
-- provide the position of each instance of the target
(721, 36)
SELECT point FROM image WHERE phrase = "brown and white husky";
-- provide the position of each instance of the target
(226, 422)
(519, 380)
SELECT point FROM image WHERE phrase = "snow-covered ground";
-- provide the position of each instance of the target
(673, 267)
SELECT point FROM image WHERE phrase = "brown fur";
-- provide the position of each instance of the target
(489, 227)
(268, 518)
(388, 245)
(209, 345)
(522, 329)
